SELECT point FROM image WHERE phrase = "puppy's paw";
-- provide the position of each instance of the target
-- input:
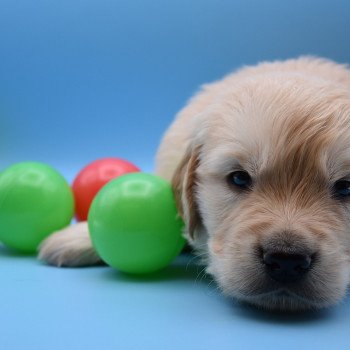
(69, 247)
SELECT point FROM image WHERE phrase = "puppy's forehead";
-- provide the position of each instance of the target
(281, 125)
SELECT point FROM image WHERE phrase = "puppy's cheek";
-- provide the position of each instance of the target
(327, 294)
(216, 246)
(330, 276)
(218, 254)
(230, 263)
(215, 249)
(216, 266)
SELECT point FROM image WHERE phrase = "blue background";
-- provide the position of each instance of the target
(84, 79)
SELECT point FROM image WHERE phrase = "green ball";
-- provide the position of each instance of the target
(35, 200)
(134, 224)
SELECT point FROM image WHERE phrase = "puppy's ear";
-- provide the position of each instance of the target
(184, 184)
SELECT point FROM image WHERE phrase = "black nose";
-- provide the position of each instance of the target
(283, 267)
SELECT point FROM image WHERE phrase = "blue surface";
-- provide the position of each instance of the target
(83, 79)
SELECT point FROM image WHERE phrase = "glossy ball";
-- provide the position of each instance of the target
(35, 200)
(92, 178)
(134, 224)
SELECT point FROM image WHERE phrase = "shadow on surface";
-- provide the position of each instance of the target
(11, 253)
(185, 267)
(283, 318)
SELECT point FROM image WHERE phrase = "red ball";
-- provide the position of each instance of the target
(93, 177)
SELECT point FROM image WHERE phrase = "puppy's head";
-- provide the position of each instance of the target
(264, 189)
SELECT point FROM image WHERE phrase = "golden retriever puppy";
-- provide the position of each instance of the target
(260, 165)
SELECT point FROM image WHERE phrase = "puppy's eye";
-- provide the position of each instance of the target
(341, 189)
(240, 179)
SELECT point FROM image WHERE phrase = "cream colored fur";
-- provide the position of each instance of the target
(70, 247)
(288, 125)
